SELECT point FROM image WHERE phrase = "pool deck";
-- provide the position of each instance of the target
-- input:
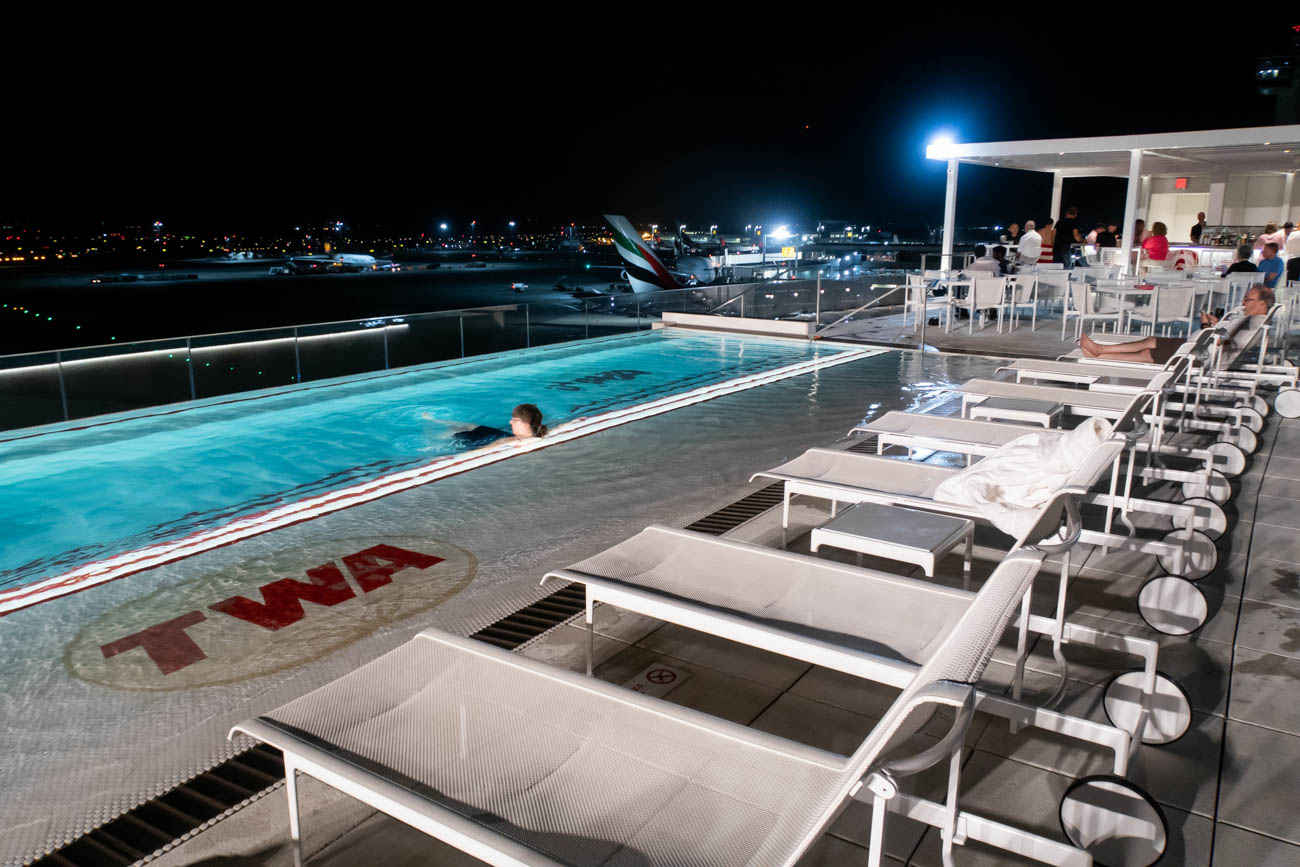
(1228, 787)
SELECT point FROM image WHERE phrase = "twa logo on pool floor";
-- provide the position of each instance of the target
(267, 614)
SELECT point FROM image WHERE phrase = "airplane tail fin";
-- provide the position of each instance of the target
(644, 270)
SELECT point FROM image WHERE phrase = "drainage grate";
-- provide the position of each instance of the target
(530, 622)
(865, 446)
(154, 824)
(730, 517)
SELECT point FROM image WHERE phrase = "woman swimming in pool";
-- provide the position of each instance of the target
(525, 424)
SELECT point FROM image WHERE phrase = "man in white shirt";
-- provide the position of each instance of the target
(1031, 244)
(1292, 247)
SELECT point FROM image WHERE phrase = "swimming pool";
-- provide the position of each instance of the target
(121, 493)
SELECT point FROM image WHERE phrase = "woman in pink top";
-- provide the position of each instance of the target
(1157, 245)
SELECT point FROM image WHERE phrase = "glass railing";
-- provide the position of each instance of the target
(50, 387)
(811, 301)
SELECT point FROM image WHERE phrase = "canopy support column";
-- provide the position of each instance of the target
(1055, 212)
(1130, 209)
(949, 215)
(1286, 197)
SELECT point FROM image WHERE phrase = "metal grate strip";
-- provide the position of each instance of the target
(746, 508)
(864, 446)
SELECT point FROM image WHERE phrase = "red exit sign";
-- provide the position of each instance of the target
(1180, 183)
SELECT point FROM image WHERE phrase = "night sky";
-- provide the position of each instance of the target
(680, 113)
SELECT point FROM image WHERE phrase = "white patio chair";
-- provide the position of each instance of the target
(1082, 303)
(1169, 304)
(1023, 293)
(985, 293)
(1053, 286)
(517, 762)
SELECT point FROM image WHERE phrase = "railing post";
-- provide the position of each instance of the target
(638, 316)
(297, 361)
(528, 334)
(63, 391)
(460, 319)
(189, 360)
(385, 330)
(586, 319)
(742, 305)
(818, 307)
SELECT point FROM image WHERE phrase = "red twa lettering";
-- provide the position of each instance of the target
(366, 568)
(283, 605)
(166, 643)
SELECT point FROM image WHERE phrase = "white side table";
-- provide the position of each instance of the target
(1029, 411)
(909, 535)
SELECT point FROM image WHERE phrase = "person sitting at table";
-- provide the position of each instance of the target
(1013, 235)
(1270, 267)
(1140, 232)
(984, 262)
(1004, 264)
(1157, 245)
(1108, 237)
(1031, 244)
(1238, 332)
(1243, 265)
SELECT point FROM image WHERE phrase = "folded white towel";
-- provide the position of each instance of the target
(1011, 486)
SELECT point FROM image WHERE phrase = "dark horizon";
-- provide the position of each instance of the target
(208, 138)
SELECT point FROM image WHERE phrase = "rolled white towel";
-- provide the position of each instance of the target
(1011, 486)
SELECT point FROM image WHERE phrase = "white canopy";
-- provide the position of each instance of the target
(1263, 149)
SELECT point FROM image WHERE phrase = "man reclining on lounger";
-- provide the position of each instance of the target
(1240, 332)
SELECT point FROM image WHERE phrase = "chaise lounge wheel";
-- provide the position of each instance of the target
(1171, 709)
(1200, 555)
(1172, 605)
(1209, 517)
(1242, 437)
(1251, 418)
(1258, 404)
(1115, 821)
(1287, 403)
(1213, 485)
(1227, 458)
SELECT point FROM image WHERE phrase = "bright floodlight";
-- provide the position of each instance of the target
(780, 233)
(939, 146)
(442, 226)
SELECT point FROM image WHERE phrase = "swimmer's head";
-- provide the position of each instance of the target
(526, 422)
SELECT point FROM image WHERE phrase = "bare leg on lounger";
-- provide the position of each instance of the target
(1155, 350)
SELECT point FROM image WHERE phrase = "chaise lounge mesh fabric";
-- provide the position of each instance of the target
(541, 765)
(878, 616)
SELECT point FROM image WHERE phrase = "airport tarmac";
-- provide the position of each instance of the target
(238, 296)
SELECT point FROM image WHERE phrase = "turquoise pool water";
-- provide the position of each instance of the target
(116, 484)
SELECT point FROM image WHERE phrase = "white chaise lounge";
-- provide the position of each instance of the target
(519, 763)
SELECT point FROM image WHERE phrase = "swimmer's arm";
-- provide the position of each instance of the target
(454, 426)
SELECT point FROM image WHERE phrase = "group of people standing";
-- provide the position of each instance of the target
(1052, 241)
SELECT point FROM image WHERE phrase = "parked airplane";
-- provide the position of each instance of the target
(645, 271)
